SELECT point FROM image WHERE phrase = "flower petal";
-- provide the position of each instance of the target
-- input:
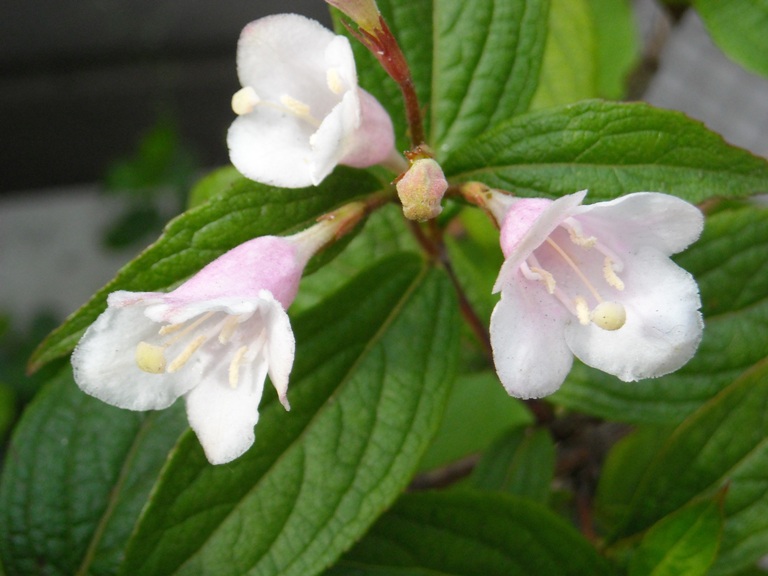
(663, 326)
(280, 346)
(517, 247)
(529, 349)
(651, 219)
(374, 139)
(224, 417)
(105, 367)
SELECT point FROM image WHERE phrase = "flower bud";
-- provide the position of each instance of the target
(364, 13)
(421, 189)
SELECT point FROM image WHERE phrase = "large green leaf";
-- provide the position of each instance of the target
(473, 63)
(471, 534)
(730, 262)
(611, 149)
(722, 446)
(684, 543)
(487, 55)
(738, 27)
(374, 364)
(77, 475)
(242, 211)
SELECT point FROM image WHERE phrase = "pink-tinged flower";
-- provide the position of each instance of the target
(212, 340)
(300, 110)
(596, 282)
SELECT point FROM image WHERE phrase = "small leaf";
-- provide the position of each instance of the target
(684, 543)
(77, 476)
(217, 182)
(617, 45)
(462, 533)
(610, 149)
(190, 241)
(374, 365)
(570, 68)
(521, 462)
(739, 28)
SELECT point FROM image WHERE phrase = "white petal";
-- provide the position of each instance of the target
(272, 147)
(330, 141)
(223, 417)
(374, 139)
(529, 348)
(104, 363)
(280, 347)
(284, 54)
(663, 326)
(550, 219)
(664, 222)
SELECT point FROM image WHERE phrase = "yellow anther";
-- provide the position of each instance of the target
(609, 315)
(333, 79)
(230, 325)
(580, 240)
(186, 354)
(610, 275)
(296, 107)
(150, 358)
(546, 277)
(234, 366)
(582, 310)
(245, 100)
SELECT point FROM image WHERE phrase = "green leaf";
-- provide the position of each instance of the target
(521, 462)
(76, 478)
(617, 45)
(723, 445)
(730, 263)
(473, 63)
(569, 72)
(190, 241)
(374, 365)
(216, 182)
(738, 27)
(471, 534)
(478, 410)
(622, 472)
(611, 149)
(684, 543)
(486, 60)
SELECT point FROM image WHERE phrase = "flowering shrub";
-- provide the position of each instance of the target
(521, 332)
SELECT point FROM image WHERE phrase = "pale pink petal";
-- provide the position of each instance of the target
(663, 326)
(661, 221)
(529, 348)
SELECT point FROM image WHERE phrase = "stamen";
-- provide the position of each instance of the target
(230, 325)
(546, 277)
(299, 109)
(582, 310)
(609, 315)
(245, 100)
(610, 275)
(577, 236)
(333, 79)
(234, 366)
(186, 354)
(150, 358)
(575, 268)
(187, 329)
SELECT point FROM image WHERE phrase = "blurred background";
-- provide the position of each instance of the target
(109, 110)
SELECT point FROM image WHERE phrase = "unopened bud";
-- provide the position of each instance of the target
(421, 189)
(364, 13)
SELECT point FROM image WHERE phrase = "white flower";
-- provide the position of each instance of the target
(212, 340)
(300, 110)
(596, 282)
